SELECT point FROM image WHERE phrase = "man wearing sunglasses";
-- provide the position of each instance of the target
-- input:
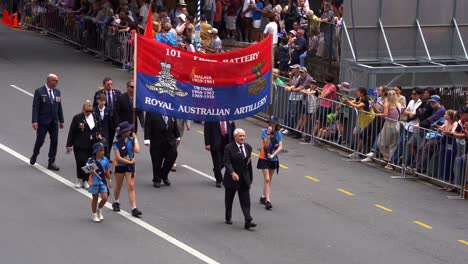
(47, 117)
(123, 109)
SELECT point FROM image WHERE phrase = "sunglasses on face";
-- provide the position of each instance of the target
(88, 111)
(131, 86)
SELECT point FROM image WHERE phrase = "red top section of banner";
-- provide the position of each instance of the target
(232, 68)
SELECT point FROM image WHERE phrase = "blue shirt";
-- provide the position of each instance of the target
(271, 149)
(105, 166)
(257, 15)
(169, 40)
(129, 146)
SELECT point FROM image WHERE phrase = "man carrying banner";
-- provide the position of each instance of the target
(217, 136)
(161, 135)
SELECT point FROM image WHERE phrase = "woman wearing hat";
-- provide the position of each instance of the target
(99, 180)
(125, 148)
(268, 162)
(84, 131)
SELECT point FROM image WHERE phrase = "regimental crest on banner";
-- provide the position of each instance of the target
(167, 83)
(259, 84)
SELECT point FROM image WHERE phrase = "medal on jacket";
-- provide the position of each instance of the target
(81, 127)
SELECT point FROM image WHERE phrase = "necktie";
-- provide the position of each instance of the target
(109, 98)
(223, 128)
(241, 147)
(51, 97)
(165, 120)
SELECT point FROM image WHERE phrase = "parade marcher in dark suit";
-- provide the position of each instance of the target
(217, 136)
(238, 176)
(47, 117)
(111, 96)
(105, 123)
(161, 135)
(83, 133)
(123, 109)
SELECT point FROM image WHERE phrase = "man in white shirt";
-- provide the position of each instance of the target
(246, 19)
(412, 119)
(272, 28)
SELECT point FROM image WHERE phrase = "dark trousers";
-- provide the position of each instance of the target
(217, 157)
(81, 157)
(41, 133)
(162, 157)
(244, 200)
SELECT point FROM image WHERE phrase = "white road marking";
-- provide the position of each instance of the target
(199, 172)
(22, 90)
(128, 216)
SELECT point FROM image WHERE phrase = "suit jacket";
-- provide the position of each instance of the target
(213, 137)
(158, 133)
(80, 136)
(115, 96)
(43, 111)
(234, 162)
(106, 124)
(123, 111)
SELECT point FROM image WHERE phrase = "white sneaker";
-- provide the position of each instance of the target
(85, 185)
(100, 215)
(96, 218)
(353, 156)
(78, 183)
(370, 155)
(285, 131)
(367, 159)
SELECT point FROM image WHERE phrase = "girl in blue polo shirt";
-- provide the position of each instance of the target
(272, 141)
(99, 180)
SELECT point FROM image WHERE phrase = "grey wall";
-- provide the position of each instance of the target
(399, 20)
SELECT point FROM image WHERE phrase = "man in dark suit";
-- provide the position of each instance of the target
(217, 136)
(161, 134)
(105, 122)
(123, 108)
(47, 117)
(111, 95)
(238, 176)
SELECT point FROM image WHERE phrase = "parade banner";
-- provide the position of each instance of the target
(205, 87)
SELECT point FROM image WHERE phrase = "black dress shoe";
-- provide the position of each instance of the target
(268, 205)
(248, 225)
(167, 182)
(218, 184)
(229, 222)
(262, 200)
(157, 185)
(53, 167)
(32, 161)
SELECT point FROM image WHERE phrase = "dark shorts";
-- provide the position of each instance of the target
(123, 169)
(267, 164)
(283, 66)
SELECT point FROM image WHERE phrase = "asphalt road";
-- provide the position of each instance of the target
(343, 212)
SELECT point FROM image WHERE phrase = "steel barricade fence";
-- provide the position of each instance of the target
(87, 33)
(436, 156)
(334, 122)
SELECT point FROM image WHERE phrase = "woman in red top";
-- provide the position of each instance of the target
(327, 97)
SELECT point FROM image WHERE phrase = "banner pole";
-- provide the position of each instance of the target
(197, 28)
(270, 110)
(135, 77)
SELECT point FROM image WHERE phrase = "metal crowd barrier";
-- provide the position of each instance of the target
(407, 151)
(105, 41)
